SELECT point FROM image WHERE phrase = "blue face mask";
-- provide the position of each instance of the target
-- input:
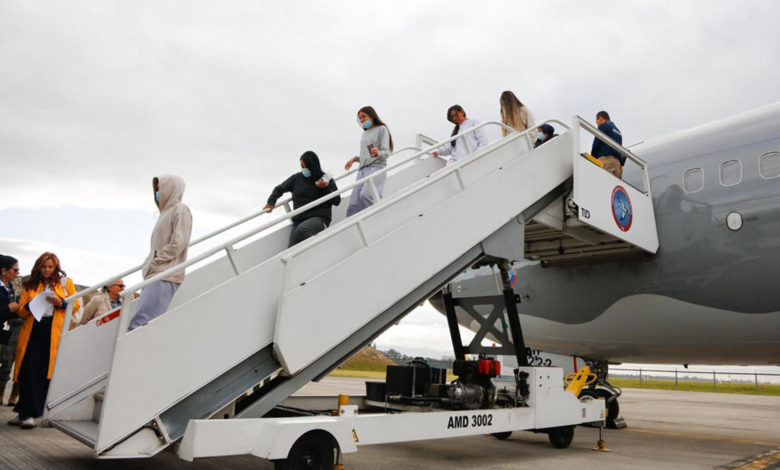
(305, 172)
(367, 124)
(540, 136)
(157, 197)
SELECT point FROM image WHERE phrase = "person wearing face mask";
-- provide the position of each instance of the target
(376, 144)
(307, 186)
(514, 113)
(170, 240)
(544, 133)
(39, 338)
(10, 324)
(102, 303)
(458, 149)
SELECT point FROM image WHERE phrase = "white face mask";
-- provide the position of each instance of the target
(540, 136)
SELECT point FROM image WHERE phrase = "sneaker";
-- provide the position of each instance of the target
(29, 423)
(15, 421)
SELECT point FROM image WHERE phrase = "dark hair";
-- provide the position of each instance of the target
(7, 262)
(458, 109)
(603, 115)
(36, 278)
(547, 129)
(312, 162)
(369, 110)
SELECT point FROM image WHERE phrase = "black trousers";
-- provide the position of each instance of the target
(33, 373)
(307, 228)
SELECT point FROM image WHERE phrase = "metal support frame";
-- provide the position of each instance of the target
(511, 334)
(514, 319)
(452, 322)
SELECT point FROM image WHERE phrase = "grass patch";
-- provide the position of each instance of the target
(364, 374)
(686, 386)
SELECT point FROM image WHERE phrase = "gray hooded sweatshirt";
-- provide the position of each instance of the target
(171, 234)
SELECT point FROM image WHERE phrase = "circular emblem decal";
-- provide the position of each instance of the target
(621, 208)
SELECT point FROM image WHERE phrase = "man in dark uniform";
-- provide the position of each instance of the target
(605, 153)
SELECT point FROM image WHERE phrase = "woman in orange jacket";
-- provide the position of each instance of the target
(39, 338)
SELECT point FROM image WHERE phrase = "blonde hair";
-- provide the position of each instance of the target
(511, 112)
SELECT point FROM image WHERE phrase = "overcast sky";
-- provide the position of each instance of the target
(98, 97)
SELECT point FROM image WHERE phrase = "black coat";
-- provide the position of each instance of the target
(6, 297)
(303, 192)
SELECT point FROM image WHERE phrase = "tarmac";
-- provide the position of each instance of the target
(667, 430)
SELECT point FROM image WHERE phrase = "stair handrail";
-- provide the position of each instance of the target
(283, 202)
(227, 246)
(615, 146)
(512, 134)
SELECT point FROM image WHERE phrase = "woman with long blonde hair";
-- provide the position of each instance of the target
(515, 114)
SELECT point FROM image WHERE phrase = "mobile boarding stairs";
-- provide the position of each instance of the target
(255, 321)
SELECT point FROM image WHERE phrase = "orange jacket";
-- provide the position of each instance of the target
(56, 325)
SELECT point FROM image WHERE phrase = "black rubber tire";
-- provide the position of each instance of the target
(613, 408)
(312, 451)
(502, 435)
(561, 437)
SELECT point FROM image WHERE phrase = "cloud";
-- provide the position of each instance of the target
(84, 267)
(96, 98)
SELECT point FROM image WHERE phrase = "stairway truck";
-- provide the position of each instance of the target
(417, 405)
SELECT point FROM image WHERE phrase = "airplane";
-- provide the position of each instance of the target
(709, 296)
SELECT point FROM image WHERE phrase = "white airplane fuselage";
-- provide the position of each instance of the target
(711, 295)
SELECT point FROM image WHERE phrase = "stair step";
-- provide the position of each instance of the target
(83, 431)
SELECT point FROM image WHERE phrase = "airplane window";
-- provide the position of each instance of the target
(693, 180)
(659, 184)
(769, 166)
(730, 172)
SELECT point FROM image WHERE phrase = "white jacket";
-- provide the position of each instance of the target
(171, 234)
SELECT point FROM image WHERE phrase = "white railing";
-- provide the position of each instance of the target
(578, 121)
(227, 246)
(283, 202)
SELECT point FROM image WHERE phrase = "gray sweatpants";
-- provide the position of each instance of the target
(361, 196)
(155, 299)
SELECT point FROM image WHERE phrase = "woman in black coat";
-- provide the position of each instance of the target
(9, 269)
(308, 185)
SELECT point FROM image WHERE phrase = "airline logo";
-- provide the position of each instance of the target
(621, 208)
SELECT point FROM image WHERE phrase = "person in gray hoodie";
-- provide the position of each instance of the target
(170, 239)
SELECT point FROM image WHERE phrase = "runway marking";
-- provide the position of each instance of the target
(761, 462)
(698, 436)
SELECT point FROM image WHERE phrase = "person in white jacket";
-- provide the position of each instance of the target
(462, 147)
(170, 239)
(515, 114)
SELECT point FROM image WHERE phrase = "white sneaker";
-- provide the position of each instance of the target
(15, 421)
(29, 423)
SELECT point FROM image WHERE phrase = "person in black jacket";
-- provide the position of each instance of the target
(307, 186)
(545, 132)
(9, 321)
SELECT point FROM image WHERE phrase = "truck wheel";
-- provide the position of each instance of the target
(561, 437)
(613, 408)
(312, 451)
(502, 435)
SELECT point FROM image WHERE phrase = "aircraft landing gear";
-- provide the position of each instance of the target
(602, 389)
